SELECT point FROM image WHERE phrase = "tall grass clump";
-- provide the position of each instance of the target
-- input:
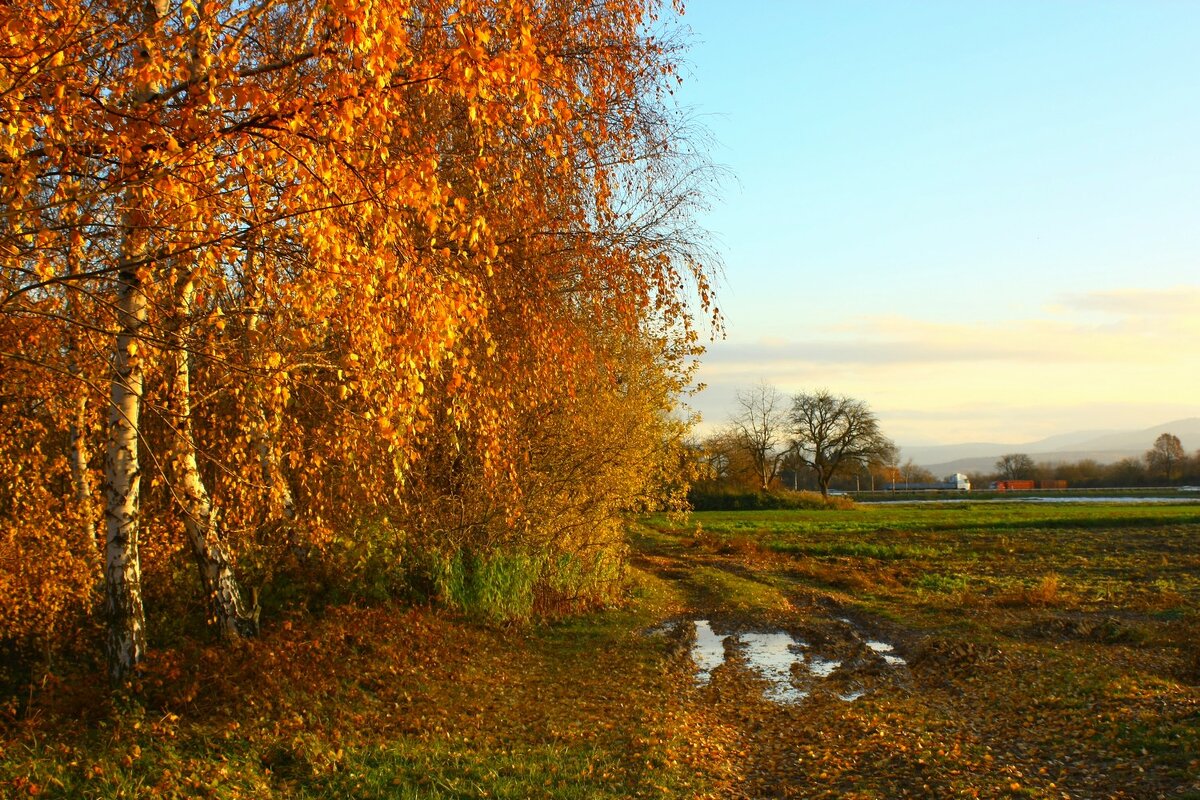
(519, 586)
(506, 582)
(498, 586)
(575, 582)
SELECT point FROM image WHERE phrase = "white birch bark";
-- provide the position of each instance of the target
(123, 610)
(80, 454)
(226, 608)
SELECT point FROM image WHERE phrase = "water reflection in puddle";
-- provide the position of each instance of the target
(783, 660)
(772, 656)
(821, 667)
(884, 649)
(708, 652)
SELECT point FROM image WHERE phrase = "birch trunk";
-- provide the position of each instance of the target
(124, 613)
(226, 607)
(81, 481)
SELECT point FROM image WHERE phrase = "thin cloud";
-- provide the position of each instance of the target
(1146, 319)
(1179, 301)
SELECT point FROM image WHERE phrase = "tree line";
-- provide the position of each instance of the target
(321, 295)
(817, 440)
(1165, 463)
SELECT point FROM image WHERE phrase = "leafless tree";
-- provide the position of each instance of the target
(760, 426)
(830, 432)
(1011, 466)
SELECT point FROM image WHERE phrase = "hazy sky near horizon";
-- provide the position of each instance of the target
(979, 217)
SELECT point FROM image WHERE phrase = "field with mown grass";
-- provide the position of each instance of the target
(1039, 652)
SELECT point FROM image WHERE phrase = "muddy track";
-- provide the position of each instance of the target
(830, 702)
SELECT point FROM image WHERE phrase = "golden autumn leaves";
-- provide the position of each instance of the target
(332, 242)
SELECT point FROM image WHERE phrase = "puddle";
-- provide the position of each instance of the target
(708, 652)
(821, 667)
(772, 656)
(787, 663)
(886, 650)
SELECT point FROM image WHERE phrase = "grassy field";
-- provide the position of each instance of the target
(1048, 652)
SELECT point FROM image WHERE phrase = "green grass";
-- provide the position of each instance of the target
(851, 549)
(942, 584)
(949, 517)
(411, 770)
(306, 767)
(721, 588)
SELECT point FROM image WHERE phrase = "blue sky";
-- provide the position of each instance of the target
(979, 217)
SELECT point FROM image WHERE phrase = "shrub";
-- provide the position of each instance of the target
(517, 585)
(716, 499)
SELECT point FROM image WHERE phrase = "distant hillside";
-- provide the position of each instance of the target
(1102, 446)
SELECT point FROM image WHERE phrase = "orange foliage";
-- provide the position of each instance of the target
(377, 230)
(48, 554)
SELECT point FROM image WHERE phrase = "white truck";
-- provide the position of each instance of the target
(958, 481)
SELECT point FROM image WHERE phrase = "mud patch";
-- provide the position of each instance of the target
(1099, 629)
(942, 658)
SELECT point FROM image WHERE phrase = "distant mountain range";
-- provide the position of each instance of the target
(1105, 446)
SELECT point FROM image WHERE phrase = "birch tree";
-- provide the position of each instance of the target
(760, 427)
